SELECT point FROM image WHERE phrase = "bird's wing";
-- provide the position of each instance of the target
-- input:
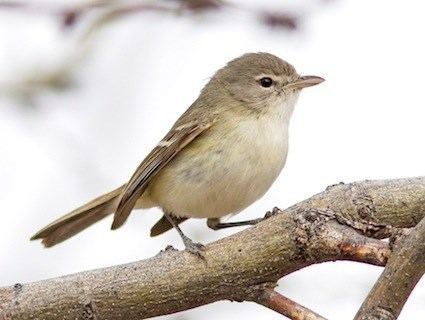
(178, 137)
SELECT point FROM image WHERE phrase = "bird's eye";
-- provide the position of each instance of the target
(266, 82)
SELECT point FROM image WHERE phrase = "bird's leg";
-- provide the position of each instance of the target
(215, 224)
(192, 247)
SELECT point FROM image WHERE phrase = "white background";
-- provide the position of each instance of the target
(61, 148)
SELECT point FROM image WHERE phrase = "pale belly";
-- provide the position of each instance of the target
(218, 175)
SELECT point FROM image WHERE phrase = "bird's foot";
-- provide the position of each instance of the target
(272, 213)
(194, 248)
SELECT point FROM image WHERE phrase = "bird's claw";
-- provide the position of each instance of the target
(269, 214)
(194, 248)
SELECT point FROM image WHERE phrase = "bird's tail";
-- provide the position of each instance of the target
(79, 219)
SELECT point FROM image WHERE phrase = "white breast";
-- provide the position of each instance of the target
(225, 173)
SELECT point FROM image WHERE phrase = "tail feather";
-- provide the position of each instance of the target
(163, 225)
(79, 219)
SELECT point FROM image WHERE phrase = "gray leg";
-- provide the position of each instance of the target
(215, 224)
(192, 247)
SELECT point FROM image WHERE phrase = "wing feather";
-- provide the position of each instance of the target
(179, 137)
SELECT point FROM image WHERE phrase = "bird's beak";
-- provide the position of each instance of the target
(305, 81)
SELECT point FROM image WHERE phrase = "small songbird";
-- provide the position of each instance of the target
(220, 156)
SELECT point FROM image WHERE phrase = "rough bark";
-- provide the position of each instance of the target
(275, 301)
(333, 225)
(403, 271)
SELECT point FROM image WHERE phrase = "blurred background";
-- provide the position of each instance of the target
(87, 88)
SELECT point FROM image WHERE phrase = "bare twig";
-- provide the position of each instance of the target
(70, 14)
(100, 13)
(403, 271)
(275, 301)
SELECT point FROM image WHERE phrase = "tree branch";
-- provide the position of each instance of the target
(326, 227)
(275, 301)
(403, 271)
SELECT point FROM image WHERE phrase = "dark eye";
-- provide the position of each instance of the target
(266, 82)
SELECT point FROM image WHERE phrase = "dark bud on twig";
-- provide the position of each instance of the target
(201, 5)
(69, 17)
(280, 20)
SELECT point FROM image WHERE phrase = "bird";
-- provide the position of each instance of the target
(221, 155)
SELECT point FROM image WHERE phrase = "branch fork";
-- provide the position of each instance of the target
(247, 265)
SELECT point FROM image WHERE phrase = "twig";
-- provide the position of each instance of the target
(275, 301)
(100, 13)
(116, 9)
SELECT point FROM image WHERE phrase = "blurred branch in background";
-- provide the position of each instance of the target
(94, 15)
(341, 223)
(71, 14)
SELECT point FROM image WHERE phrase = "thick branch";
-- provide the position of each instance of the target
(403, 271)
(310, 232)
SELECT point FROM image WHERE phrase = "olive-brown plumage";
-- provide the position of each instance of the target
(220, 156)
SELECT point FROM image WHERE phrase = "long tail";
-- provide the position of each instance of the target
(79, 219)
